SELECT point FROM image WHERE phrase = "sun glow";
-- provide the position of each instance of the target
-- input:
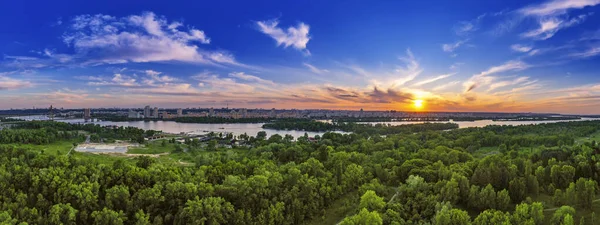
(418, 104)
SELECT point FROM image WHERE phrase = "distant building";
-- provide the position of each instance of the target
(211, 112)
(165, 115)
(51, 113)
(87, 114)
(179, 112)
(244, 112)
(147, 111)
(155, 114)
(133, 114)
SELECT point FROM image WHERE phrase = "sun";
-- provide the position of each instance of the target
(418, 104)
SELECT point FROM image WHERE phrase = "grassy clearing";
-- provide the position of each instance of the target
(338, 210)
(550, 208)
(586, 214)
(153, 147)
(485, 151)
(592, 137)
(63, 147)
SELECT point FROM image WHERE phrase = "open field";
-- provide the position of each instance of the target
(593, 137)
(152, 147)
(64, 147)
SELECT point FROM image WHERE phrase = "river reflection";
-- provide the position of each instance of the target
(253, 128)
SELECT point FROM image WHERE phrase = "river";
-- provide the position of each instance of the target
(253, 128)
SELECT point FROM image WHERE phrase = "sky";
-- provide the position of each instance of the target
(463, 55)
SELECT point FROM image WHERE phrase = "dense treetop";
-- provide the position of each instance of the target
(421, 174)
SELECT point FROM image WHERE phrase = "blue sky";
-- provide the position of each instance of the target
(515, 56)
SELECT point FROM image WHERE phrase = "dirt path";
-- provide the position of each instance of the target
(184, 163)
(129, 154)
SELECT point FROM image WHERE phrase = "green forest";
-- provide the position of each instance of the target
(409, 174)
(360, 128)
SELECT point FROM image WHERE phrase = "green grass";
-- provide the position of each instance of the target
(338, 210)
(587, 214)
(63, 147)
(579, 212)
(485, 151)
(153, 147)
(592, 137)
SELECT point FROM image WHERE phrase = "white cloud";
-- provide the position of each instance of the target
(152, 72)
(296, 37)
(455, 66)
(139, 38)
(453, 46)
(221, 84)
(521, 48)
(594, 51)
(20, 58)
(557, 7)
(7, 83)
(550, 26)
(117, 80)
(433, 79)
(89, 78)
(552, 16)
(508, 66)
(445, 86)
(316, 70)
(156, 77)
(484, 77)
(466, 27)
(251, 78)
(501, 84)
(408, 72)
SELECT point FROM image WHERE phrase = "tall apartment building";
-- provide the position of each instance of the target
(147, 111)
(87, 114)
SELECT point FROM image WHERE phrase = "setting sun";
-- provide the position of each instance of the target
(418, 104)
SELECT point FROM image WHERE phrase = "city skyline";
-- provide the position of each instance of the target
(509, 56)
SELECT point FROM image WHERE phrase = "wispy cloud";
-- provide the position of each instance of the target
(156, 77)
(464, 28)
(316, 70)
(22, 58)
(593, 51)
(455, 66)
(117, 80)
(508, 66)
(296, 37)
(374, 95)
(7, 83)
(11, 83)
(500, 84)
(445, 86)
(453, 46)
(550, 26)
(552, 16)
(483, 78)
(215, 82)
(521, 48)
(433, 79)
(407, 73)
(252, 78)
(557, 7)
